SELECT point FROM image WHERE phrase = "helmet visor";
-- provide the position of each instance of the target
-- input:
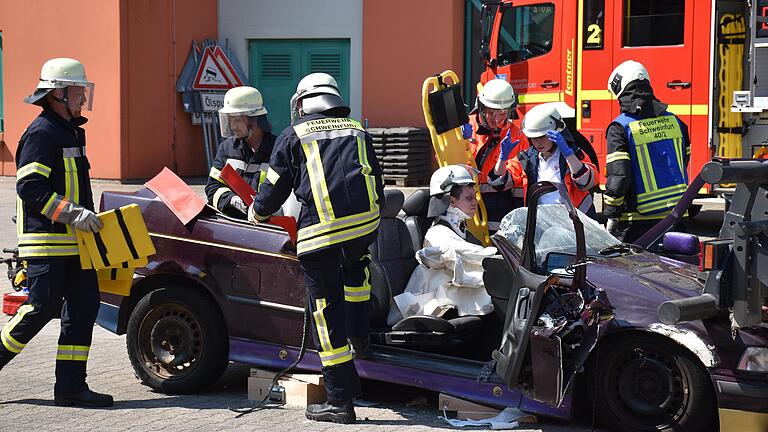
(236, 124)
(80, 96)
(495, 118)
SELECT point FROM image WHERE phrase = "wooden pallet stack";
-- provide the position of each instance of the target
(405, 155)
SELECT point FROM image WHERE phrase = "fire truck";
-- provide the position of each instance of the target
(706, 59)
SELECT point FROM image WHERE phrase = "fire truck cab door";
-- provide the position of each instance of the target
(526, 50)
(659, 34)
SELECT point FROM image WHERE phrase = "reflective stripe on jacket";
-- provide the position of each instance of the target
(252, 167)
(331, 166)
(51, 169)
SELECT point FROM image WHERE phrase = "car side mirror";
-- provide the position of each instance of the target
(556, 262)
(680, 243)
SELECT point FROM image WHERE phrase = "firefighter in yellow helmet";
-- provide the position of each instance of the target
(55, 199)
(247, 147)
(328, 161)
(648, 153)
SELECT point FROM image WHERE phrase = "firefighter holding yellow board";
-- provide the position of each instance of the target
(54, 200)
(328, 161)
(648, 153)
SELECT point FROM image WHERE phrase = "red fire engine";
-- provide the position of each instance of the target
(696, 52)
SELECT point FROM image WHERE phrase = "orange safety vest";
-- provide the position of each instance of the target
(478, 143)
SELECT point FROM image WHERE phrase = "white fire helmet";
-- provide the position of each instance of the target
(624, 74)
(497, 94)
(63, 73)
(318, 92)
(543, 118)
(445, 178)
(240, 102)
(443, 181)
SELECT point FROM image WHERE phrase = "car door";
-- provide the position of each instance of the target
(532, 356)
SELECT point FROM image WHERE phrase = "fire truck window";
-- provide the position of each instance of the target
(653, 22)
(526, 32)
(594, 17)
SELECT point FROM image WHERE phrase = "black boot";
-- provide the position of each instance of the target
(342, 412)
(86, 398)
(359, 347)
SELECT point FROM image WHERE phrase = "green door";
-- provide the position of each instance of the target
(276, 66)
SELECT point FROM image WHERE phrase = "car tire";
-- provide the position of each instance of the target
(646, 382)
(177, 340)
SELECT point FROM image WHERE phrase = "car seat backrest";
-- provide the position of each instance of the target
(415, 208)
(393, 252)
(498, 278)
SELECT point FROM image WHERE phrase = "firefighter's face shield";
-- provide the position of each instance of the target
(76, 97)
(495, 118)
(236, 125)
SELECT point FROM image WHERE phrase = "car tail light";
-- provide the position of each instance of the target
(754, 359)
(712, 253)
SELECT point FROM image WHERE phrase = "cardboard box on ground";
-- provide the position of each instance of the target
(300, 389)
(466, 410)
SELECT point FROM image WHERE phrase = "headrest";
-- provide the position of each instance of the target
(393, 202)
(417, 203)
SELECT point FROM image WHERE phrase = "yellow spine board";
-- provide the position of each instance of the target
(730, 74)
(123, 239)
(451, 148)
(116, 280)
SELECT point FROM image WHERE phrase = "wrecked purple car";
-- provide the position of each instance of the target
(575, 318)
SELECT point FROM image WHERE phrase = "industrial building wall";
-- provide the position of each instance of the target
(133, 51)
(156, 132)
(241, 21)
(404, 42)
(89, 32)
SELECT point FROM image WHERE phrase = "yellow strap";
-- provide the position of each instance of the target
(33, 168)
(613, 201)
(216, 175)
(317, 181)
(361, 293)
(322, 325)
(272, 176)
(9, 342)
(337, 224)
(335, 356)
(370, 181)
(322, 241)
(72, 352)
(218, 194)
(615, 156)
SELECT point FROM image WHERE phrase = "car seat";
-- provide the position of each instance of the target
(392, 262)
(415, 208)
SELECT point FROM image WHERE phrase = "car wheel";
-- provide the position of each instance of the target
(649, 383)
(177, 340)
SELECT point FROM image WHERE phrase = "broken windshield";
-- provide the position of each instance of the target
(554, 232)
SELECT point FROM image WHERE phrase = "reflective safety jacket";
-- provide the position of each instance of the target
(497, 191)
(252, 167)
(331, 166)
(485, 147)
(647, 170)
(51, 169)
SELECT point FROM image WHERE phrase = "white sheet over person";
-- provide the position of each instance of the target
(450, 271)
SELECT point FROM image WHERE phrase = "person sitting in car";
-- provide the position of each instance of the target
(450, 271)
